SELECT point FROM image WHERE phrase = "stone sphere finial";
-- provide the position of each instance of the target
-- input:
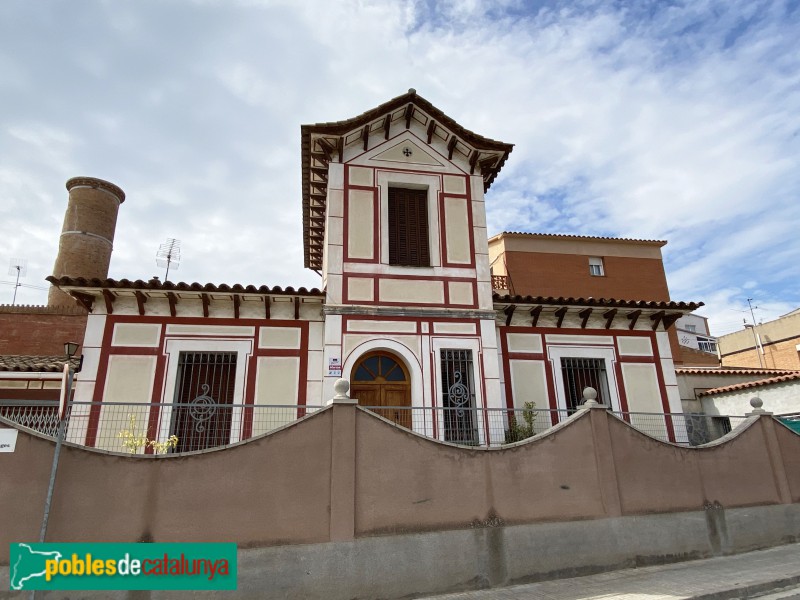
(341, 387)
(412, 91)
(589, 397)
(757, 404)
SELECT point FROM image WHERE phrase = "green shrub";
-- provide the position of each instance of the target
(518, 431)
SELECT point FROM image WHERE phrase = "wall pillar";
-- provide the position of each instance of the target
(767, 424)
(603, 454)
(343, 464)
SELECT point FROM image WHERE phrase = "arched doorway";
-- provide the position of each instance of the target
(380, 379)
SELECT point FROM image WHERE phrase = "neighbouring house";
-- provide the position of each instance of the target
(697, 346)
(698, 387)
(771, 345)
(431, 322)
(780, 393)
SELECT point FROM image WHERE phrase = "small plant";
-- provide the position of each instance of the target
(518, 432)
(132, 440)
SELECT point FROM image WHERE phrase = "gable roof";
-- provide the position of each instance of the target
(321, 142)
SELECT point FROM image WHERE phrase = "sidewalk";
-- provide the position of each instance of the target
(728, 577)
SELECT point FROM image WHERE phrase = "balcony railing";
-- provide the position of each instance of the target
(499, 282)
(198, 427)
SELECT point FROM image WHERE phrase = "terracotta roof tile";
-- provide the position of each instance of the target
(35, 364)
(169, 286)
(611, 302)
(731, 371)
(569, 236)
(752, 384)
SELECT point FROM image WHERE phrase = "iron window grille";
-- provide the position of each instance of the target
(580, 373)
(458, 397)
(204, 393)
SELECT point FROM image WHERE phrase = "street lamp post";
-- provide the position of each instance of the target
(70, 348)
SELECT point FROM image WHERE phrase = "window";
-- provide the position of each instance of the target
(596, 267)
(580, 373)
(202, 414)
(458, 397)
(408, 227)
(692, 328)
(706, 344)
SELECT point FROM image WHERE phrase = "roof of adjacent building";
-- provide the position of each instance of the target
(605, 302)
(35, 364)
(167, 286)
(731, 371)
(795, 376)
(486, 155)
(569, 236)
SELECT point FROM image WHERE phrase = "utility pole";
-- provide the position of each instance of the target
(755, 336)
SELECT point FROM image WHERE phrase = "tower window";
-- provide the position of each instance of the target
(408, 227)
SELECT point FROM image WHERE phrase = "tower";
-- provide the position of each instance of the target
(87, 237)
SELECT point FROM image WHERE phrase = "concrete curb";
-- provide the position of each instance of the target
(752, 590)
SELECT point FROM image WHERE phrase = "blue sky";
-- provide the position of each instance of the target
(651, 119)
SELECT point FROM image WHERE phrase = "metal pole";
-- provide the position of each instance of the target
(755, 339)
(59, 440)
(16, 286)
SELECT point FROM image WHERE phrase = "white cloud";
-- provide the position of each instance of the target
(679, 123)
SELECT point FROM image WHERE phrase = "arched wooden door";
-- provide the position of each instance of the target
(380, 379)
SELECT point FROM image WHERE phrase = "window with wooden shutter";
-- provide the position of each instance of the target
(408, 227)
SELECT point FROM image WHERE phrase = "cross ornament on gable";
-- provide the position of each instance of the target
(407, 151)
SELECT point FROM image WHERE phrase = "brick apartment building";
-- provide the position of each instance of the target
(771, 345)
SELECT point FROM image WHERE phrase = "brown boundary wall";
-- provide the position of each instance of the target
(343, 480)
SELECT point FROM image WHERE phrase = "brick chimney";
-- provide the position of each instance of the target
(87, 237)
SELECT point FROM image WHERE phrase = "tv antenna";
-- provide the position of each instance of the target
(169, 254)
(18, 267)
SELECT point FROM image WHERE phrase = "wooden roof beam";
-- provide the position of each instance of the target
(173, 302)
(327, 148)
(431, 129)
(670, 319)
(109, 298)
(296, 308)
(656, 319)
(584, 315)
(387, 125)
(633, 317)
(535, 312)
(365, 136)
(320, 158)
(206, 301)
(509, 312)
(85, 300)
(237, 300)
(488, 164)
(408, 114)
(322, 172)
(561, 313)
(266, 307)
(609, 317)
(451, 146)
(141, 299)
(473, 159)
